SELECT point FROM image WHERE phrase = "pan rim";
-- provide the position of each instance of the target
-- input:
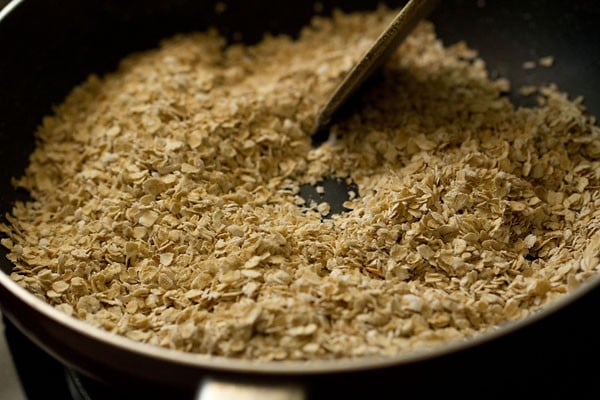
(341, 365)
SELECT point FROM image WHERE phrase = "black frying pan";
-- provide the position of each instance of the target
(48, 47)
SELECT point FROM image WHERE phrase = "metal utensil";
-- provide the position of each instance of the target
(382, 48)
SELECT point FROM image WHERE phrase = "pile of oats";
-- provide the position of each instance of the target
(165, 201)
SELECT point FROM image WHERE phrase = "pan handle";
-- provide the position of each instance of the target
(218, 389)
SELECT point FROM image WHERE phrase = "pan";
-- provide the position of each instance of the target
(47, 48)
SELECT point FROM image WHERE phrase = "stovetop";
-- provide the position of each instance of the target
(29, 373)
(10, 387)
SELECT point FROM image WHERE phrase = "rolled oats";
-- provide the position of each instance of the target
(165, 201)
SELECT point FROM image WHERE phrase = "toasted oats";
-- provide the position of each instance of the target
(148, 218)
(165, 198)
(529, 65)
(547, 61)
(528, 90)
(60, 286)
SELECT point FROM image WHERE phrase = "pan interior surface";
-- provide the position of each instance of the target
(57, 51)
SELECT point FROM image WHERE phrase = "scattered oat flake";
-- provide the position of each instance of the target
(302, 330)
(547, 61)
(166, 259)
(528, 90)
(530, 240)
(148, 218)
(60, 286)
(529, 65)
(324, 208)
(253, 262)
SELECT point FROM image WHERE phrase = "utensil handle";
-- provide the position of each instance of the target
(404, 22)
(217, 389)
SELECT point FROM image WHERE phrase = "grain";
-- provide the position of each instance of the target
(547, 61)
(165, 209)
(529, 65)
